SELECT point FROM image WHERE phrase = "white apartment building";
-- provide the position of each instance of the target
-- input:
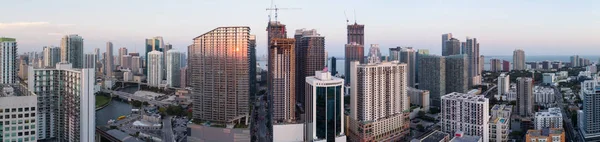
(500, 123)
(544, 96)
(66, 108)
(589, 121)
(467, 113)
(503, 84)
(155, 69)
(551, 118)
(548, 78)
(17, 114)
(8, 60)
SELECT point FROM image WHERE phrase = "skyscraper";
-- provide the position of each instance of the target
(519, 60)
(589, 120)
(356, 33)
(97, 52)
(394, 54)
(432, 76)
(136, 64)
(173, 68)
(374, 54)
(378, 102)
(155, 72)
(471, 48)
(108, 60)
(310, 54)
(51, 56)
(525, 97)
(495, 65)
(324, 107)
(457, 77)
(122, 52)
(353, 52)
(333, 66)
(409, 57)
(282, 81)
(66, 102)
(89, 61)
(505, 66)
(574, 60)
(71, 48)
(126, 61)
(468, 113)
(152, 44)
(16, 99)
(219, 75)
(8, 60)
(503, 84)
(252, 55)
(451, 47)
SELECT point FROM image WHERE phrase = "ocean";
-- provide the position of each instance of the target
(562, 58)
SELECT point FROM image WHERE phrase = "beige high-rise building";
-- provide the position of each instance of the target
(378, 102)
(71, 50)
(281, 83)
(220, 77)
(518, 60)
(109, 60)
(122, 52)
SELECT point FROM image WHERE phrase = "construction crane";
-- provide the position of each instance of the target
(277, 9)
(347, 21)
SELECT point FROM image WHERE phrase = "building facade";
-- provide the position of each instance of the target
(281, 82)
(173, 68)
(454, 108)
(451, 47)
(409, 57)
(432, 76)
(445, 38)
(66, 102)
(122, 52)
(219, 74)
(89, 61)
(518, 60)
(17, 113)
(551, 118)
(71, 50)
(152, 44)
(525, 98)
(471, 48)
(419, 97)
(51, 56)
(109, 63)
(324, 108)
(379, 102)
(310, 56)
(589, 121)
(8, 60)
(155, 72)
(353, 52)
(500, 123)
(546, 135)
(457, 75)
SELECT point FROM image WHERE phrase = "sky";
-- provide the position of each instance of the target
(540, 27)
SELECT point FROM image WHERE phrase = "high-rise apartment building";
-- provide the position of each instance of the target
(353, 52)
(409, 57)
(432, 76)
(333, 66)
(525, 97)
(8, 60)
(282, 81)
(551, 118)
(253, 65)
(481, 66)
(51, 56)
(136, 65)
(122, 52)
(89, 61)
(378, 102)
(23, 70)
(126, 62)
(451, 47)
(518, 60)
(324, 108)
(495, 65)
(505, 66)
(589, 120)
(574, 60)
(394, 53)
(374, 54)
(18, 107)
(155, 72)
(471, 48)
(97, 52)
(503, 84)
(71, 50)
(219, 74)
(356, 34)
(445, 39)
(468, 113)
(310, 54)
(152, 44)
(173, 68)
(457, 73)
(66, 102)
(109, 63)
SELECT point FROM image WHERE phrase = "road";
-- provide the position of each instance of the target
(487, 92)
(125, 95)
(167, 130)
(568, 126)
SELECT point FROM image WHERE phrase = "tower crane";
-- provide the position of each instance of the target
(277, 9)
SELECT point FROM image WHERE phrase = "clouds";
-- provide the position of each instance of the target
(22, 24)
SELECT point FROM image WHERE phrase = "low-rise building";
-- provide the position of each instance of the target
(548, 78)
(419, 97)
(551, 118)
(546, 135)
(500, 123)
(544, 96)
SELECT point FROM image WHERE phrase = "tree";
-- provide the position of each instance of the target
(162, 110)
(136, 103)
(145, 103)
(420, 127)
(421, 114)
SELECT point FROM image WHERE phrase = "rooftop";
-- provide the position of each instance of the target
(466, 138)
(122, 136)
(13, 90)
(3, 39)
(545, 132)
(467, 97)
(435, 136)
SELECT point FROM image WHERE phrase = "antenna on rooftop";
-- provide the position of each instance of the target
(354, 16)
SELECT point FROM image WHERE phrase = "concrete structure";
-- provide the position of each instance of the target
(394, 54)
(155, 72)
(457, 73)
(574, 60)
(374, 54)
(546, 135)
(435, 136)
(18, 113)
(503, 84)
(71, 50)
(518, 59)
(505, 66)
(173, 68)
(8, 60)
(136, 64)
(419, 97)
(356, 34)
(548, 78)
(451, 47)
(126, 61)
(89, 61)
(220, 78)
(456, 105)
(409, 57)
(66, 102)
(333, 68)
(432, 76)
(324, 93)
(379, 103)
(281, 79)
(445, 38)
(471, 48)
(353, 52)
(288, 132)
(51, 56)
(460, 136)
(589, 120)
(109, 63)
(544, 96)
(525, 98)
(122, 52)
(495, 65)
(551, 118)
(23, 71)
(199, 133)
(153, 44)
(310, 56)
(500, 123)
(127, 75)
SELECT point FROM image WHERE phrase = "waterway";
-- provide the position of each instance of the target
(115, 109)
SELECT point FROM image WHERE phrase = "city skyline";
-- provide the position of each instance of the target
(496, 33)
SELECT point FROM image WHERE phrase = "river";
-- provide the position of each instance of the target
(115, 109)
